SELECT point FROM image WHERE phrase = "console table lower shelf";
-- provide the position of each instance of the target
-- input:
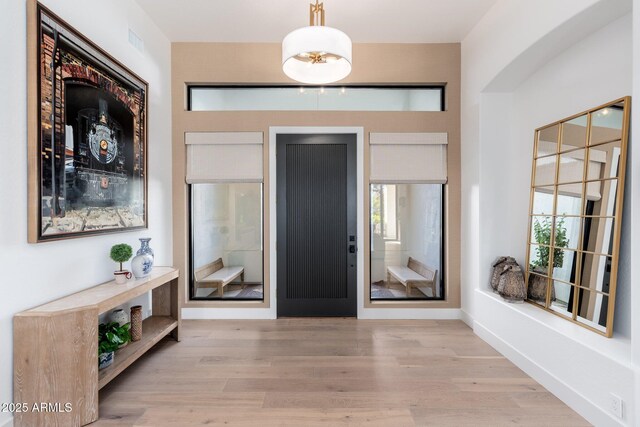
(55, 350)
(154, 328)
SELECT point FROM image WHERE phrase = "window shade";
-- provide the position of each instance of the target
(224, 157)
(408, 157)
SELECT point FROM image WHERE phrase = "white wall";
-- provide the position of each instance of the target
(510, 87)
(634, 236)
(36, 273)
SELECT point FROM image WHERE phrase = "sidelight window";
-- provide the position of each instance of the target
(226, 256)
(406, 241)
(408, 175)
(226, 241)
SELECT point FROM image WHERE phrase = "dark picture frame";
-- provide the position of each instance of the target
(87, 136)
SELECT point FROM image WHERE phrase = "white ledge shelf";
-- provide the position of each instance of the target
(616, 348)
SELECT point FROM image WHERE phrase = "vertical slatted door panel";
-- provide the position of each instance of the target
(316, 221)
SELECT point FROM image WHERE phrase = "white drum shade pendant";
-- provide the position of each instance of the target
(316, 54)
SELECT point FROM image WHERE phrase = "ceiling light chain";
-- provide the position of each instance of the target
(316, 54)
(316, 14)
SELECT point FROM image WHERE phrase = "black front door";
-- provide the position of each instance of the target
(316, 239)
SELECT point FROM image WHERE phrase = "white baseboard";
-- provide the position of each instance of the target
(228, 313)
(7, 423)
(410, 313)
(466, 318)
(367, 313)
(563, 391)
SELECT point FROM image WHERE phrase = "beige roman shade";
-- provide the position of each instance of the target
(224, 157)
(408, 157)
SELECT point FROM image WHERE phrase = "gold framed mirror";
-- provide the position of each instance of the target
(577, 192)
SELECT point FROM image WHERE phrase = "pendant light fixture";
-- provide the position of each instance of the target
(316, 54)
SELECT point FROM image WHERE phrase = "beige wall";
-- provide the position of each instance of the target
(259, 63)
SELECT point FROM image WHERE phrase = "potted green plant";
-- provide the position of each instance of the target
(537, 289)
(111, 336)
(121, 253)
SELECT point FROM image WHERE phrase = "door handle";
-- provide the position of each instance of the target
(352, 249)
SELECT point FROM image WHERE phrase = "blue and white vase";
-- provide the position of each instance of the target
(105, 359)
(144, 247)
(142, 263)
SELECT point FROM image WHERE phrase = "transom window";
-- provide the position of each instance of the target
(289, 98)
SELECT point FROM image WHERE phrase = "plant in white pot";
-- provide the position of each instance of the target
(110, 337)
(121, 253)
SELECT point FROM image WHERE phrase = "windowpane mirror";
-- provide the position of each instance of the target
(577, 193)
(571, 168)
(598, 235)
(604, 160)
(539, 259)
(564, 265)
(543, 201)
(226, 241)
(547, 140)
(537, 222)
(593, 309)
(567, 232)
(545, 172)
(574, 133)
(406, 241)
(607, 123)
(537, 286)
(596, 272)
(569, 199)
(562, 298)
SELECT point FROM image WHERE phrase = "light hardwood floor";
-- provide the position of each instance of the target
(305, 372)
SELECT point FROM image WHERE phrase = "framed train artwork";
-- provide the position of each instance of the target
(87, 135)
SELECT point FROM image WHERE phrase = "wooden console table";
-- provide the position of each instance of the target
(55, 347)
